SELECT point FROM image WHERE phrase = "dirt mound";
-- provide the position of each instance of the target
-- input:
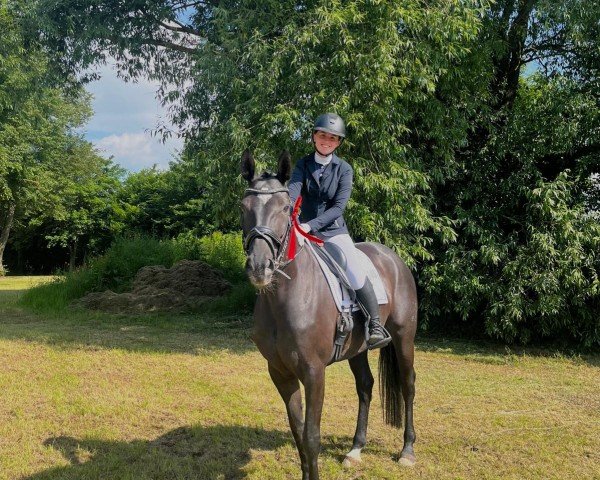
(183, 287)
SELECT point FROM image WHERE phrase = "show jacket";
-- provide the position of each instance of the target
(324, 196)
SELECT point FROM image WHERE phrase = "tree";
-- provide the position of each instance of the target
(87, 214)
(37, 122)
(16, 76)
(167, 203)
(526, 264)
(259, 74)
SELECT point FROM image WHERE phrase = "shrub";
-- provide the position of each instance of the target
(116, 269)
(225, 252)
(187, 246)
(239, 301)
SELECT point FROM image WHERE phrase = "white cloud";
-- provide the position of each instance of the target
(124, 115)
(135, 151)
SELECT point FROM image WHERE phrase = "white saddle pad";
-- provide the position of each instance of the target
(340, 293)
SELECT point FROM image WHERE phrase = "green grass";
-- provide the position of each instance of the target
(90, 396)
(116, 269)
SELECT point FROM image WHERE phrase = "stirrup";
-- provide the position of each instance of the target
(387, 338)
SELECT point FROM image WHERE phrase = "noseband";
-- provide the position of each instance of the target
(276, 244)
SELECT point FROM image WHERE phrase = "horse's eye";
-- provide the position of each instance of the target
(287, 209)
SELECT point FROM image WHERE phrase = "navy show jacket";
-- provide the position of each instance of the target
(324, 195)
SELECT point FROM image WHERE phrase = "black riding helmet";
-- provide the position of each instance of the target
(331, 123)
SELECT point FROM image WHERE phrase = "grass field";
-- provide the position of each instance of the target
(87, 396)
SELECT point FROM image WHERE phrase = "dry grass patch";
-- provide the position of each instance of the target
(12, 287)
(108, 397)
(23, 283)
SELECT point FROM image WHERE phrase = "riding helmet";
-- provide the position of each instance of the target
(330, 123)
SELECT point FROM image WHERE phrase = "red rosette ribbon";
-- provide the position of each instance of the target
(293, 245)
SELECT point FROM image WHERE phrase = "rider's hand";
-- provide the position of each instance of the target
(305, 227)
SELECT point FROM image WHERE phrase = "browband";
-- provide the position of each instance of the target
(265, 191)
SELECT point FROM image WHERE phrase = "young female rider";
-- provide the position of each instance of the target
(325, 182)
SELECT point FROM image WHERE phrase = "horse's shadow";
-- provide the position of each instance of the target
(207, 453)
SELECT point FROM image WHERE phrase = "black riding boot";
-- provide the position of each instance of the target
(378, 337)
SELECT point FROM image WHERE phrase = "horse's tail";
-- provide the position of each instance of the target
(390, 387)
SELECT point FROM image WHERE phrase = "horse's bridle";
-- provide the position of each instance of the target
(276, 244)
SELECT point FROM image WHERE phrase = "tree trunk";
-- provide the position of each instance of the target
(512, 29)
(73, 256)
(508, 67)
(7, 222)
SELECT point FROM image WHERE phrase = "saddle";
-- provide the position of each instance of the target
(332, 261)
(335, 259)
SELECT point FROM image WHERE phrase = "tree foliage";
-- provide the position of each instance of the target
(473, 129)
(525, 264)
(32, 112)
(52, 183)
(166, 203)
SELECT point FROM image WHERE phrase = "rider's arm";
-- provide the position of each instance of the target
(339, 201)
(296, 181)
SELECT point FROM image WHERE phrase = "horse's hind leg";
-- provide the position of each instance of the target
(364, 388)
(405, 353)
(289, 389)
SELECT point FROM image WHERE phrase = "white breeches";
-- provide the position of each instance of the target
(354, 271)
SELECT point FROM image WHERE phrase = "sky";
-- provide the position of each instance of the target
(125, 114)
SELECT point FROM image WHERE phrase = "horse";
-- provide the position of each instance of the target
(295, 320)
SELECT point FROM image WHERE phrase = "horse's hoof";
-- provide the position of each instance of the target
(352, 459)
(407, 460)
(350, 462)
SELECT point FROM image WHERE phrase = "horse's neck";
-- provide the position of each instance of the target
(302, 273)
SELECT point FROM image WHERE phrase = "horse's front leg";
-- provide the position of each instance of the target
(289, 388)
(364, 388)
(314, 386)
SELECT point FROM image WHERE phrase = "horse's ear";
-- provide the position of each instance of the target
(247, 165)
(284, 167)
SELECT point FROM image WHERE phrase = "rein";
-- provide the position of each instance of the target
(276, 244)
(297, 230)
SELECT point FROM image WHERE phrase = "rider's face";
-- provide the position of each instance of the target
(325, 143)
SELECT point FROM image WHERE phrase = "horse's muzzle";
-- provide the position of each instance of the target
(260, 275)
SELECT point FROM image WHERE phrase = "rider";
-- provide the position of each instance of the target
(325, 182)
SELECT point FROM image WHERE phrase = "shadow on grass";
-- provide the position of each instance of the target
(78, 329)
(214, 452)
(210, 332)
(489, 352)
(10, 295)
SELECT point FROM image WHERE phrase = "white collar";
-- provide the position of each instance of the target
(321, 160)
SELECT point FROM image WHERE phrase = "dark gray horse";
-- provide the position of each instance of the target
(295, 322)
